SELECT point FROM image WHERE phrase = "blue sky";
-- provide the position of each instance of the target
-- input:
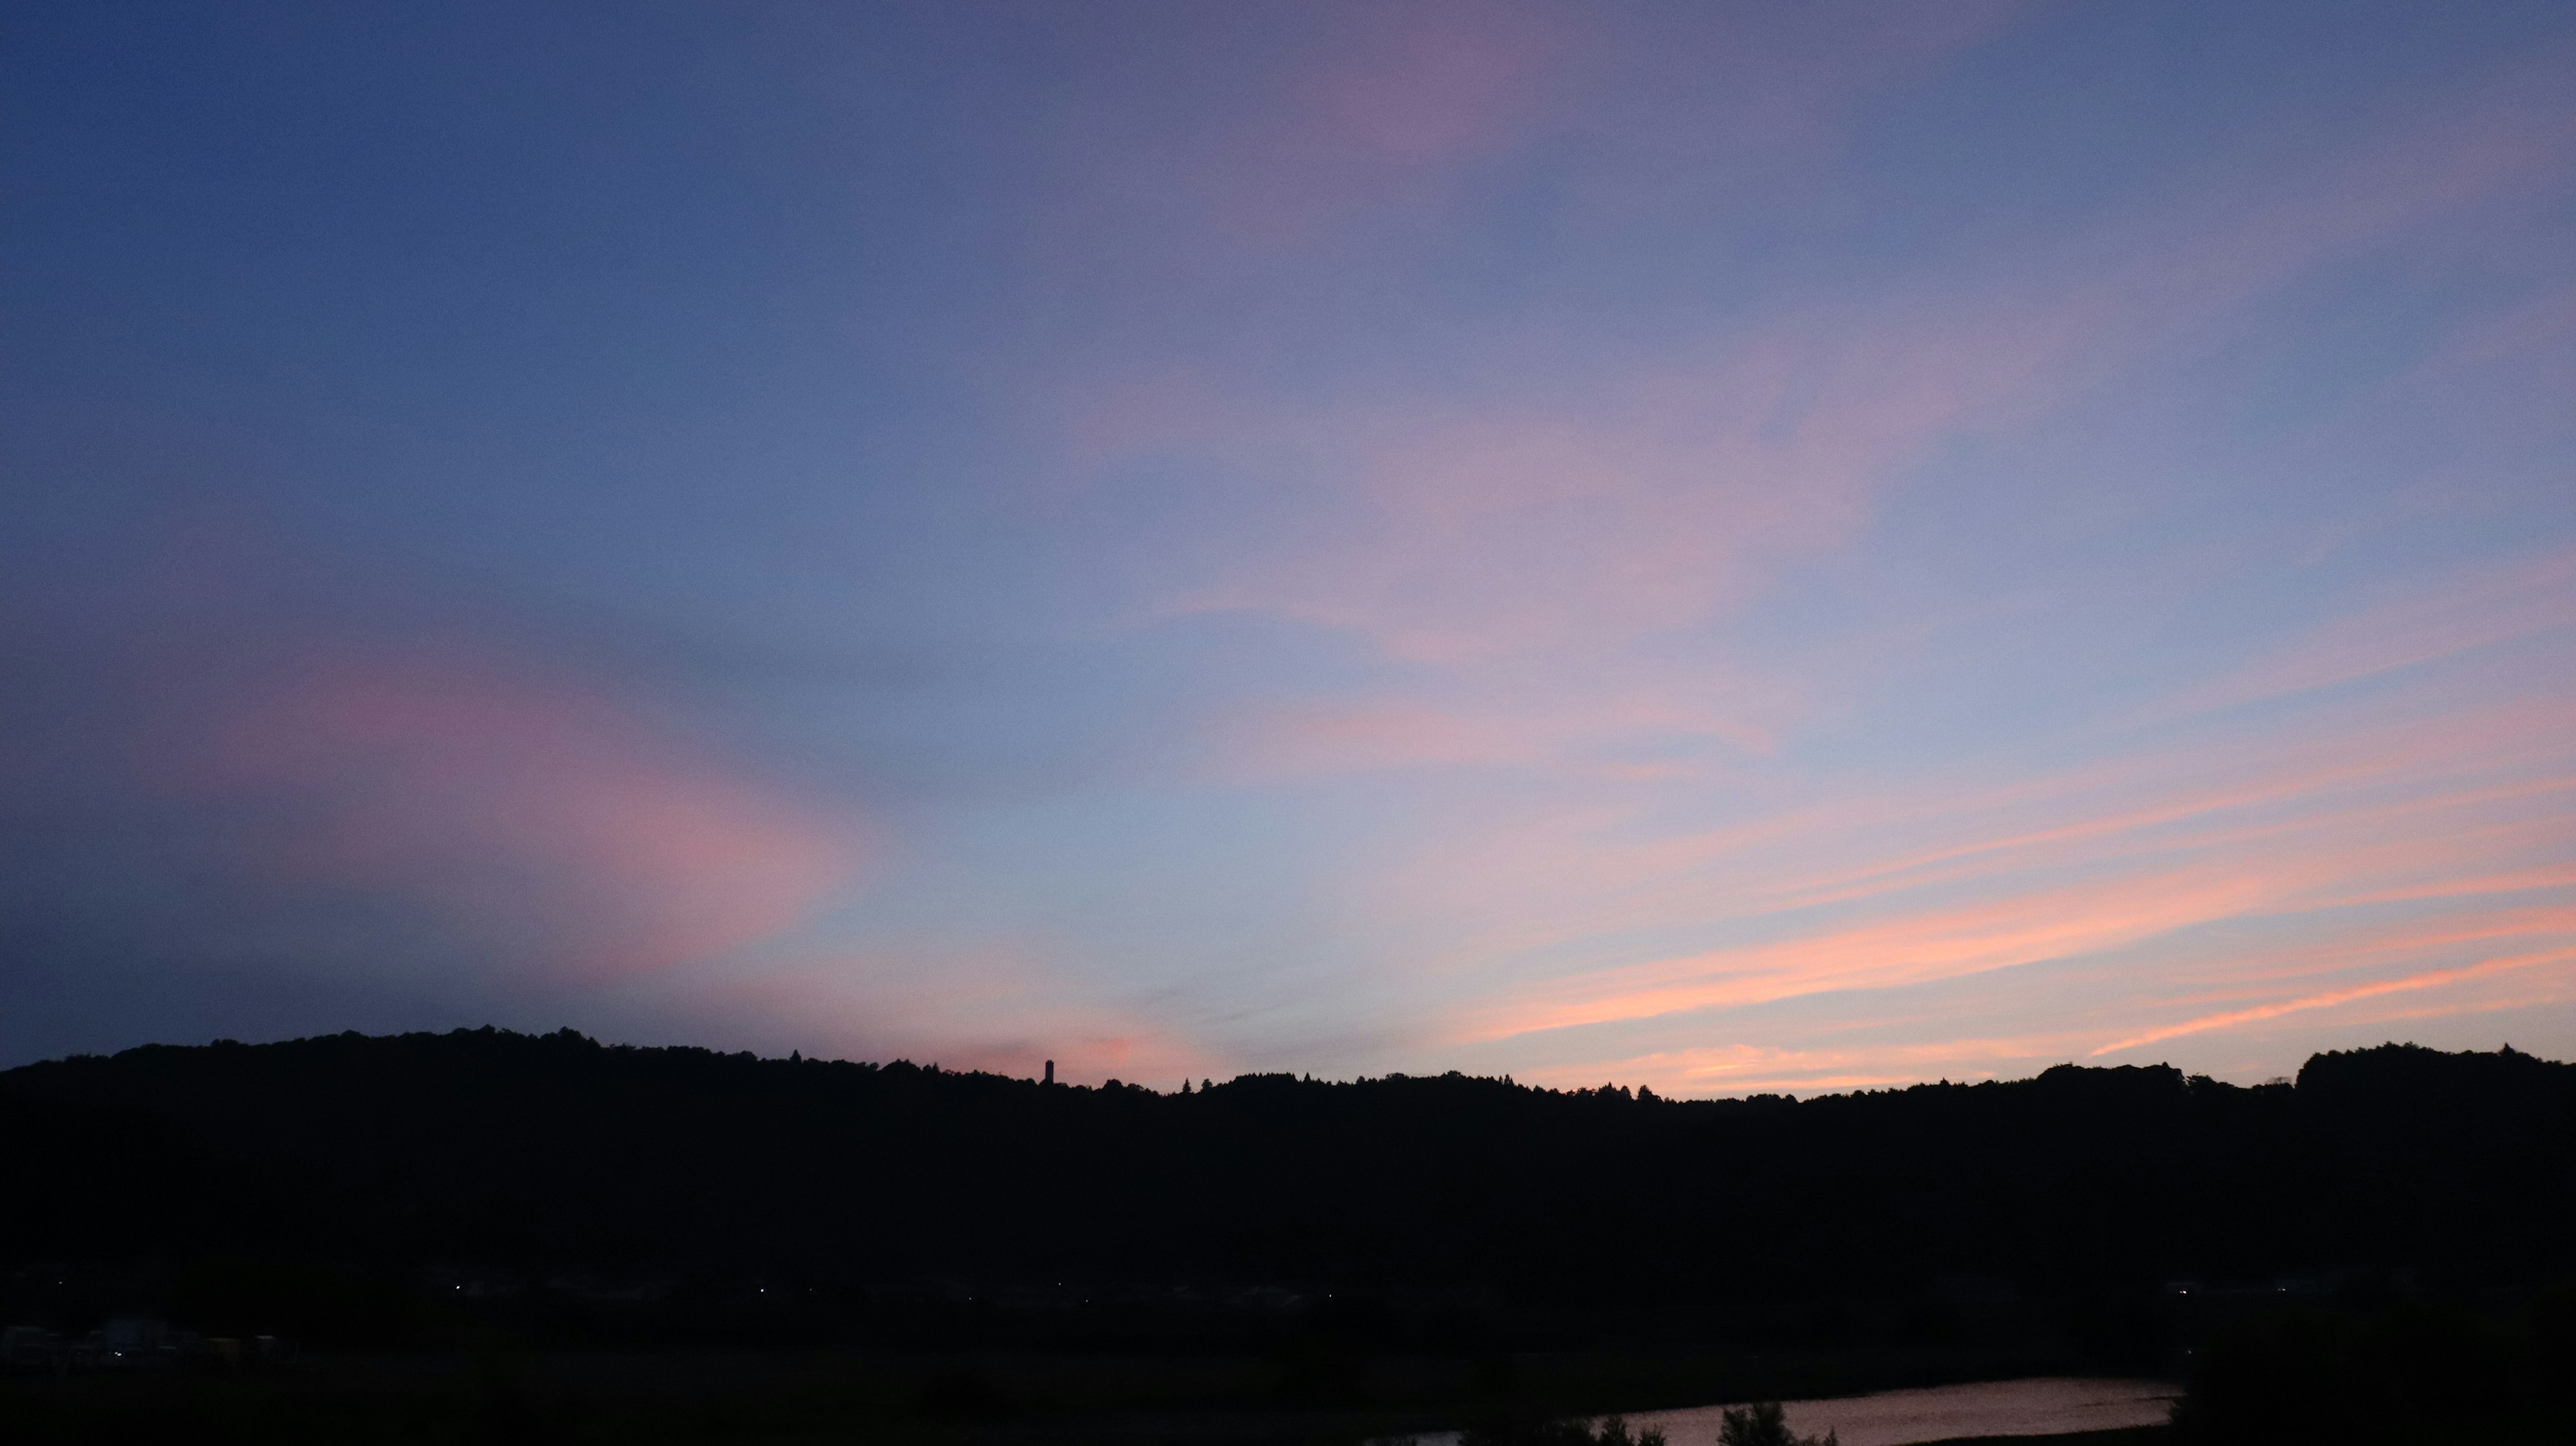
(1731, 548)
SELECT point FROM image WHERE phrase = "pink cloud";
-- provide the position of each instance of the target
(530, 815)
(1549, 515)
(1541, 522)
(1433, 83)
(2462, 614)
(1379, 116)
(1376, 119)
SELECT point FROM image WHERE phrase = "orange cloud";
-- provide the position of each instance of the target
(1968, 939)
(2455, 812)
(2374, 799)
(2430, 979)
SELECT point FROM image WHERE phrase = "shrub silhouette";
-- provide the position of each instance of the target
(1611, 1432)
(1763, 1423)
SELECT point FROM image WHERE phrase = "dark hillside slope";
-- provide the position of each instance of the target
(554, 1153)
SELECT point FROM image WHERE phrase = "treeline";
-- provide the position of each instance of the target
(486, 1149)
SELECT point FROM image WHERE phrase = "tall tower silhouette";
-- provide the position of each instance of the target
(1050, 1074)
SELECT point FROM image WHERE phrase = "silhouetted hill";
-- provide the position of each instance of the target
(487, 1150)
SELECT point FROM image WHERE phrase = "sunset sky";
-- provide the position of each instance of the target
(1722, 547)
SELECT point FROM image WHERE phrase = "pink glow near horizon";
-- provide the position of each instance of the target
(2321, 843)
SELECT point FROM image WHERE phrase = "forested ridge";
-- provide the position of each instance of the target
(491, 1149)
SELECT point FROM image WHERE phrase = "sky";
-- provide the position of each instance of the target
(1729, 548)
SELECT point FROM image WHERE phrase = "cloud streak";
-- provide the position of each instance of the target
(551, 821)
(2430, 979)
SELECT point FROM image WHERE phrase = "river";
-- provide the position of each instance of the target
(2040, 1406)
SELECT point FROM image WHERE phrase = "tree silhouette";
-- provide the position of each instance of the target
(1480, 1201)
(1763, 1423)
(1611, 1432)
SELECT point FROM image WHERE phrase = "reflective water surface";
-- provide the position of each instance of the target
(2041, 1406)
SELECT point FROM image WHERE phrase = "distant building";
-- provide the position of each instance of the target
(1050, 1074)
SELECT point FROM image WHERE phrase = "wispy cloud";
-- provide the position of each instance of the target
(553, 821)
(2429, 979)
(2497, 603)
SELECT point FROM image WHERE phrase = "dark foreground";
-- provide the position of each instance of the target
(506, 1396)
(483, 1236)
(535, 1158)
(2277, 1380)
